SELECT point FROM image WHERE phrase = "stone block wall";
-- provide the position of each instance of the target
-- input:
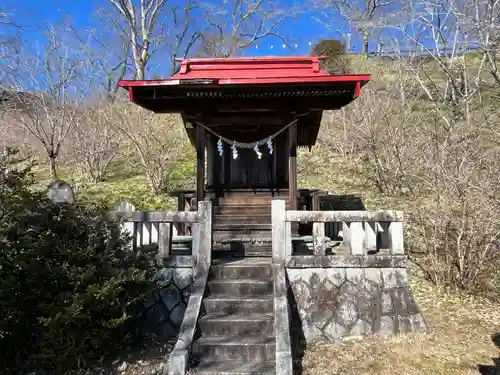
(162, 312)
(332, 303)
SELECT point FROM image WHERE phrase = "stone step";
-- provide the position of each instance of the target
(220, 348)
(181, 252)
(240, 288)
(252, 193)
(181, 246)
(253, 240)
(237, 227)
(234, 305)
(247, 218)
(235, 368)
(251, 201)
(241, 271)
(242, 325)
(241, 210)
(180, 249)
(255, 236)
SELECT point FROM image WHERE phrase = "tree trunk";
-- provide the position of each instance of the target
(139, 70)
(366, 37)
(53, 168)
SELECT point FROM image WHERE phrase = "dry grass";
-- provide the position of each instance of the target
(459, 339)
(149, 358)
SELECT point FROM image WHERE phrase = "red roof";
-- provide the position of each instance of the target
(255, 70)
(280, 86)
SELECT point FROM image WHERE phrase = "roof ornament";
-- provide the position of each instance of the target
(254, 145)
(219, 146)
(256, 149)
(235, 150)
(270, 146)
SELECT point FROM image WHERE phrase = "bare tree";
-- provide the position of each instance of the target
(95, 140)
(110, 52)
(425, 130)
(54, 83)
(142, 22)
(436, 40)
(9, 46)
(366, 16)
(152, 25)
(481, 20)
(380, 128)
(11, 133)
(451, 148)
(237, 25)
(212, 45)
(159, 140)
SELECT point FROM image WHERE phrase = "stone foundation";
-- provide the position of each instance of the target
(163, 311)
(332, 303)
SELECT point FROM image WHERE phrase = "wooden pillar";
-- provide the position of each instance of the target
(274, 157)
(200, 163)
(227, 165)
(292, 169)
(210, 161)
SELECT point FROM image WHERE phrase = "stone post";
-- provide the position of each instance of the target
(396, 246)
(164, 240)
(356, 238)
(288, 241)
(370, 236)
(60, 192)
(319, 238)
(345, 234)
(128, 226)
(204, 233)
(278, 212)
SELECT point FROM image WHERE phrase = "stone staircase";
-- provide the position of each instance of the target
(244, 215)
(237, 330)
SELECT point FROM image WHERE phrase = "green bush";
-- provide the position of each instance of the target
(335, 51)
(64, 286)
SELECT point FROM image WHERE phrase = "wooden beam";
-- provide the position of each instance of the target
(244, 119)
(292, 160)
(166, 105)
(200, 163)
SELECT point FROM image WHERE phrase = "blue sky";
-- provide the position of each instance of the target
(302, 30)
(32, 13)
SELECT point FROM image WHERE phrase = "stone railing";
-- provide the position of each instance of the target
(284, 359)
(178, 362)
(159, 228)
(183, 270)
(364, 234)
(358, 287)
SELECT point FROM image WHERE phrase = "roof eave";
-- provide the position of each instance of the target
(271, 81)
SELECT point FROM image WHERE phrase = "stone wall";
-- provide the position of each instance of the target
(332, 303)
(163, 311)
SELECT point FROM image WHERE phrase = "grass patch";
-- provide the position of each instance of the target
(124, 182)
(459, 339)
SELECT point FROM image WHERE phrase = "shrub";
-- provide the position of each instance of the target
(64, 286)
(337, 62)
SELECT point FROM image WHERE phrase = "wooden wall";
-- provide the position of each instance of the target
(247, 171)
